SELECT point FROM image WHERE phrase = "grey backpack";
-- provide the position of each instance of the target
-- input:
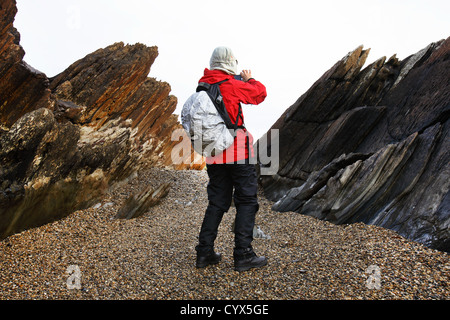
(206, 120)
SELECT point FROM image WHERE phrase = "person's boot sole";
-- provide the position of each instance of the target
(246, 268)
(206, 263)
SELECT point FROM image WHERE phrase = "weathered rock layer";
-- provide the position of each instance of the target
(64, 141)
(371, 146)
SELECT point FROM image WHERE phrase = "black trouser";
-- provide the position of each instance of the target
(223, 178)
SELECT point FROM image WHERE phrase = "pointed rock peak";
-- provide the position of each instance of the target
(353, 61)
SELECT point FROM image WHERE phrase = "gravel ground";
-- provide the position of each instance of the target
(153, 256)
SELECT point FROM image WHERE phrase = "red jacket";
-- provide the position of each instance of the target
(235, 92)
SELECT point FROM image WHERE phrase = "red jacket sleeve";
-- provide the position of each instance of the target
(250, 92)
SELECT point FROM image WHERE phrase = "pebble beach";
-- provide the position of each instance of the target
(91, 255)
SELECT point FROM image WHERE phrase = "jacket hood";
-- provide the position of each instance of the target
(223, 59)
(213, 76)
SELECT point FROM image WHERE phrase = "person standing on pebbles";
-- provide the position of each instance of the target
(231, 175)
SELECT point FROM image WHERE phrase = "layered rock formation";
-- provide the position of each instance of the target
(137, 205)
(371, 145)
(64, 141)
(22, 88)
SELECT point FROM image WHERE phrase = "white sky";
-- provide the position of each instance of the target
(288, 45)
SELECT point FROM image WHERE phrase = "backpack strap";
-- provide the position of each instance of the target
(203, 86)
(239, 115)
(220, 106)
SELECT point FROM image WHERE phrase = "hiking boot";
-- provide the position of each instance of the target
(248, 260)
(203, 261)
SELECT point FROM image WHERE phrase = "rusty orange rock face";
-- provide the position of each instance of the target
(65, 140)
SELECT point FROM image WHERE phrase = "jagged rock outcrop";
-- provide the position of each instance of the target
(111, 85)
(371, 146)
(64, 141)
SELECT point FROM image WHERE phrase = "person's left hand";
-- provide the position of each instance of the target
(246, 75)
